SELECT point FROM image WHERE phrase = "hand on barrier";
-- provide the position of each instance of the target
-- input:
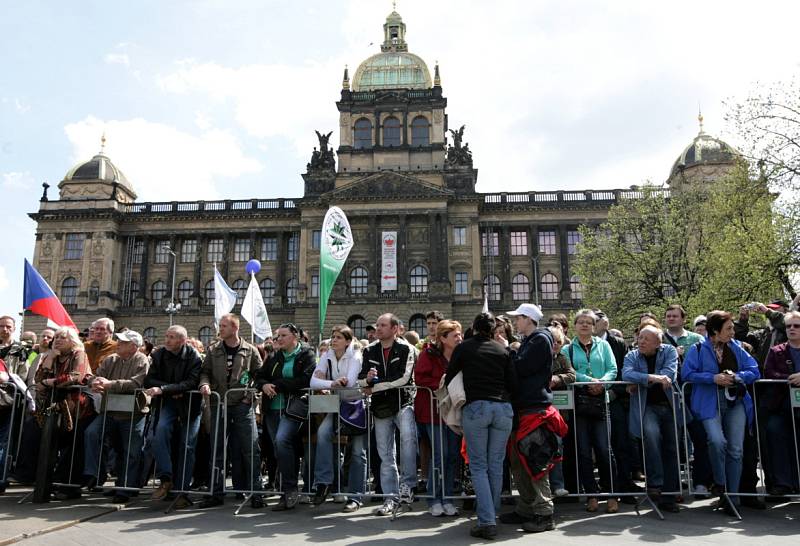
(269, 390)
(205, 390)
(724, 379)
(794, 380)
(665, 381)
(595, 389)
(153, 391)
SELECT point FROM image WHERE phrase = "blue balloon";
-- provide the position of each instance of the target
(253, 267)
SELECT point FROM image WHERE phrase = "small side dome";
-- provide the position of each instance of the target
(97, 178)
(99, 167)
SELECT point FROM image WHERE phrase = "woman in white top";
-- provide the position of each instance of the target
(338, 369)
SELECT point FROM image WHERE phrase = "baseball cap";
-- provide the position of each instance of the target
(777, 304)
(130, 335)
(700, 319)
(533, 312)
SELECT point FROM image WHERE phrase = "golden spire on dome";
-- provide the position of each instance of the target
(103, 144)
(700, 119)
(437, 80)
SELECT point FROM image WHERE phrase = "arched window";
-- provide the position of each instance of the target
(158, 293)
(419, 280)
(549, 287)
(357, 324)
(358, 281)
(576, 287)
(491, 286)
(69, 291)
(417, 324)
(362, 134)
(209, 294)
(133, 293)
(520, 287)
(206, 336)
(391, 131)
(240, 287)
(291, 292)
(185, 289)
(149, 334)
(267, 290)
(420, 135)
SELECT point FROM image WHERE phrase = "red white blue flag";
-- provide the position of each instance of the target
(40, 299)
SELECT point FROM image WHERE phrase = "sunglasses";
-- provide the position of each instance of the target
(793, 325)
(291, 327)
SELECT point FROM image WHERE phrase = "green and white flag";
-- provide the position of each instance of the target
(255, 312)
(337, 240)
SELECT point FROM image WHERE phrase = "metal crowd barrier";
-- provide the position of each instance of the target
(565, 400)
(18, 400)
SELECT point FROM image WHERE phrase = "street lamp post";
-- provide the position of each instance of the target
(172, 307)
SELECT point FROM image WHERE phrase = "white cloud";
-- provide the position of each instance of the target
(21, 107)
(4, 282)
(161, 162)
(17, 180)
(117, 58)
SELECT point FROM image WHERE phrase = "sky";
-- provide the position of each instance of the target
(207, 99)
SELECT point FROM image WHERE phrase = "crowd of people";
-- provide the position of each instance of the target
(457, 412)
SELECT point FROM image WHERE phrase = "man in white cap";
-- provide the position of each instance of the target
(120, 373)
(533, 364)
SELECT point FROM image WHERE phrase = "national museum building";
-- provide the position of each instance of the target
(399, 170)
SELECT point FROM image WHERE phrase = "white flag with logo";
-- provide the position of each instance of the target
(254, 311)
(224, 296)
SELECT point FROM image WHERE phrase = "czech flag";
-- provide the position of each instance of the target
(40, 299)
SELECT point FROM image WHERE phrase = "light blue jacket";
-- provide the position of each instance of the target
(635, 371)
(700, 366)
(601, 364)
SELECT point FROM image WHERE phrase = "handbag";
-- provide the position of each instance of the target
(591, 406)
(297, 408)
(352, 413)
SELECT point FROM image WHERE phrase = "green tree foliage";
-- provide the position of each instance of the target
(707, 247)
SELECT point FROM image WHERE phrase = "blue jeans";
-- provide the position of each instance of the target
(446, 445)
(175, 412)
(283, 432)
(129, 457)
(592, 435)
(244, 450)
(660, 448)
(725, 440)
(486, 428)
(328, 449)
(384, 438)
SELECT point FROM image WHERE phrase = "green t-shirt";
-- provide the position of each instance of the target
(686, 340)
(287, 372)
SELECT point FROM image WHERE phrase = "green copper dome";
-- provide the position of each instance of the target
(392, 70)
(394, 67)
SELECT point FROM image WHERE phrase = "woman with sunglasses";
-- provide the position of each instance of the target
(286, 374)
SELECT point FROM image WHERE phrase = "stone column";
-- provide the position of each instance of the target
(564, 262)
(280, 271)
(374, 242)
(198, 294)
(402, 254)
(505, 263)
(144, 282)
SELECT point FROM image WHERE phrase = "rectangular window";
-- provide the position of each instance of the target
(462, 283)
(189, 251)
(162, 252)
(138, 251)
(519, 243)
(215, 250)
(269, 249)
(490, 243)
(73, 246)
(314, 286)
(241, 250)
(459, 236)
(547, 242)
(315, 238)
(292, 247)
(574, 238)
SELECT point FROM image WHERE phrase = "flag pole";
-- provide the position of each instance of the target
(252, 324)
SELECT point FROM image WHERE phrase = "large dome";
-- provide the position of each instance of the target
(394, 67)
(392, 70)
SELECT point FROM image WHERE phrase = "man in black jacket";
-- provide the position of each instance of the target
(174, 372)
(388, 367)
(533, 364)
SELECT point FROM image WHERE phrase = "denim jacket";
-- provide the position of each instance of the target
(635, 371)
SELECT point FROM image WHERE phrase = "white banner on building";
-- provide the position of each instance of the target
(388, 261)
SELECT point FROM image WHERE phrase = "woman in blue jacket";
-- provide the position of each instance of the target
(594, 362)
(720, 368)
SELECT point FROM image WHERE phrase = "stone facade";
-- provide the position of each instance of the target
(396, 170)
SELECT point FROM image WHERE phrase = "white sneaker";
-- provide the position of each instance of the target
(304, 499)
(436, 509)
(387, 509)
(406, 496)
(449, 509)
(561, 492)
(339, 499)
